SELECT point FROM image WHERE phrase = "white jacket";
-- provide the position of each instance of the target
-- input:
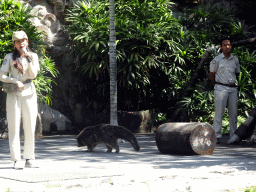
(30, 71)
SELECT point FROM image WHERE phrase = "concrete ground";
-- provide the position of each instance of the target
(65, 167)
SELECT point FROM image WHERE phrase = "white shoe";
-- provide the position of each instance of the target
(19, 165)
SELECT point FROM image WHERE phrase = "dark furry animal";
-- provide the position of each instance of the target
(107, 134)
(245, 130)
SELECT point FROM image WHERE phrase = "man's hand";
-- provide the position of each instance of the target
(20, 85)
(212, 77)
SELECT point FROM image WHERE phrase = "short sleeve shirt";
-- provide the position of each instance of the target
(6, 63)
(225, 69)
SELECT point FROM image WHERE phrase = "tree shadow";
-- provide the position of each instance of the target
(64, 148)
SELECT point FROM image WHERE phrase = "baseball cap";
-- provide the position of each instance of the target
(19, 35)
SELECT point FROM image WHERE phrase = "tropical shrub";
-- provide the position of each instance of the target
(246, 82)
(250, 189)
(14, 17)
(214, 18)
(144, 33)
(157, 55)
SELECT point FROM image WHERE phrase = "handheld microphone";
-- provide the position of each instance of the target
(25, 51)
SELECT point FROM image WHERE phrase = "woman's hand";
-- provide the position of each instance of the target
(20, 85)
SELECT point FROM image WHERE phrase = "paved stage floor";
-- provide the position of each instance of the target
(65, 167)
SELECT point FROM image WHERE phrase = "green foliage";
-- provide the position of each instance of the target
(241, 30)
(159, 117)
(13, 17)
(246, 82)
(43, 82)
(250, 189)
(215, 18)
(88, 24)
(144, 33)
(158, 54)
(200, 104)
(210, 19)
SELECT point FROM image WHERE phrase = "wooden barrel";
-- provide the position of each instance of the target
(186, 138)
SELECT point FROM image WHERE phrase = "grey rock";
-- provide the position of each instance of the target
(50, 116)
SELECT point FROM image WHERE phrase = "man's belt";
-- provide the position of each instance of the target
(27, 81)
(228, 85)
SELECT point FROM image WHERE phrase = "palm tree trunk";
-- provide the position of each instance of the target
(113, 66)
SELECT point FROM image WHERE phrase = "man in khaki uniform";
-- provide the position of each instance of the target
(223, 70)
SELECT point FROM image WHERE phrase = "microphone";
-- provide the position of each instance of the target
(25, 51)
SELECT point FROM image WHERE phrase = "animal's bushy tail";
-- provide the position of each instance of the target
(123, 133)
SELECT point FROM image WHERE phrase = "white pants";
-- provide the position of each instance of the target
(27, 107)
(225, 98)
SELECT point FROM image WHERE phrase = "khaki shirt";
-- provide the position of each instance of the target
(9, 74)
(225, 69)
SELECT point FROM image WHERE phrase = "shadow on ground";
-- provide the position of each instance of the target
(64, 148)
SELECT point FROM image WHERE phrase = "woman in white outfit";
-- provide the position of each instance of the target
(19, 68)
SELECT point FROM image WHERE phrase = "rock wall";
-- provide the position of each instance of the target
(50, 20)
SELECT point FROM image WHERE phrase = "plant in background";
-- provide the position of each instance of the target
(250, 189)
(246, 82)
(145, 33)
(44, 80)
(200, 105)
(210, 19)
(14, 17)
(159, 117)
(156, 54)
(241, 30)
